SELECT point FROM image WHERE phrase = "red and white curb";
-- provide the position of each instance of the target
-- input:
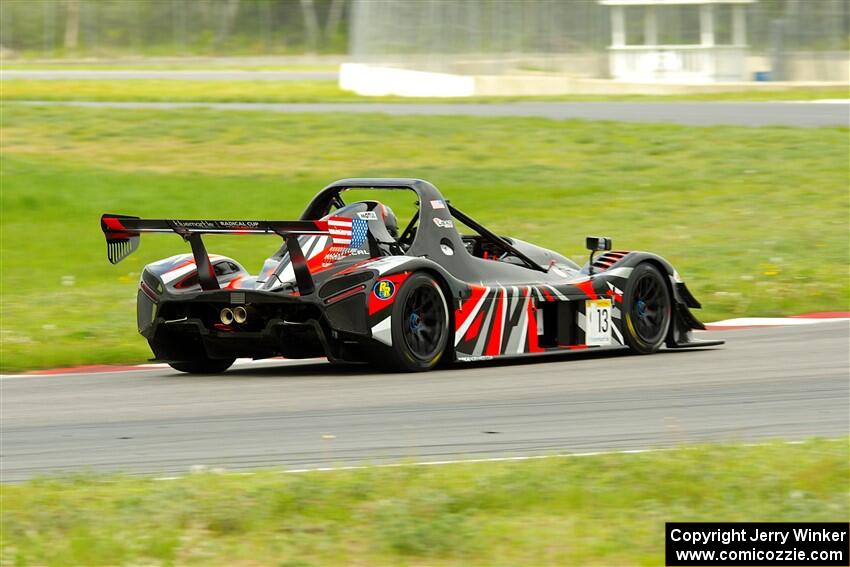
(725, 325)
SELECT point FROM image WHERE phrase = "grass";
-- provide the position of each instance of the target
(324, 91)
(596, 510)
(188, 64)
(755, 220)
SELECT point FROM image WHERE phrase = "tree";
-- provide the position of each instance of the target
(231, 9)
(334, 18)
(311, 25)
(72, 25)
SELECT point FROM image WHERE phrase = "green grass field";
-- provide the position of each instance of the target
(755, 220)
(175, 64)
(595, 510)
(324, 91)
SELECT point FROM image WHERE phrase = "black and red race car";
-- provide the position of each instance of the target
(346, 284)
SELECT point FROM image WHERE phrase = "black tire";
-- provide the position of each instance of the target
(646, 309)
(203, 366)
(420, 325)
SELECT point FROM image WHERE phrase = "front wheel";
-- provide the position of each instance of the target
(202, 366)
(420, 325)
(647, 309)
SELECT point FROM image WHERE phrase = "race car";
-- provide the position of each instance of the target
(347, 284)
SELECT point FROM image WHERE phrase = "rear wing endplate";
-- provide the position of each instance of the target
(122, 239)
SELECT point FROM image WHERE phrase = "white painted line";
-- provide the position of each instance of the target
(771, 321)
(832, 101)
(242, 363)
(203, 468)
(433, 463)
(819, 101)
(16, 376)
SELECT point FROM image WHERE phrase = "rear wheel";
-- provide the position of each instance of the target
(647, 309)
(420, 324)
(202, 366)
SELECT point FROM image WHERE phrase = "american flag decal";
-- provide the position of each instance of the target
(347, 235)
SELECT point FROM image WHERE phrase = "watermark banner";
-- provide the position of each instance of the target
(750, 543)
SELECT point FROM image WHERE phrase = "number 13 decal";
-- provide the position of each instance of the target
(603, 321)
(597, 328)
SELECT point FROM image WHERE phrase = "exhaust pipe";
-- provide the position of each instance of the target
(240, 314)
(226, 316)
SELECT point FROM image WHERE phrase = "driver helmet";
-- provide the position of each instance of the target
(390, 220)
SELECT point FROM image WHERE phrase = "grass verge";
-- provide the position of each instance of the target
(189, 64)
(596, 510)
(325, 91)
(755, 220)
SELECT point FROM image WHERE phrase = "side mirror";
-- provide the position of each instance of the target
(597, 243)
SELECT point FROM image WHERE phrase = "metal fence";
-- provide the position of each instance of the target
(790, 39)
(91, 28)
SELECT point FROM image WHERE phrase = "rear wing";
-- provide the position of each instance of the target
(122, 239)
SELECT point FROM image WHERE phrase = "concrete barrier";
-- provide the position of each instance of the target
(378, 80)
(372, 80)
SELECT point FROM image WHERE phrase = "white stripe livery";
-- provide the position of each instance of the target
(466, 324)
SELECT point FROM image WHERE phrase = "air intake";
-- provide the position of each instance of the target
(343, 283)
(607, 260)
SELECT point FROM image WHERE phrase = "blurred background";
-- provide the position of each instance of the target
(69, 154)
(794, 40)
(97, 28)
(712, 132)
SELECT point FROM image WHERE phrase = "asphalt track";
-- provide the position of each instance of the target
(796, 114)
(789, 382)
